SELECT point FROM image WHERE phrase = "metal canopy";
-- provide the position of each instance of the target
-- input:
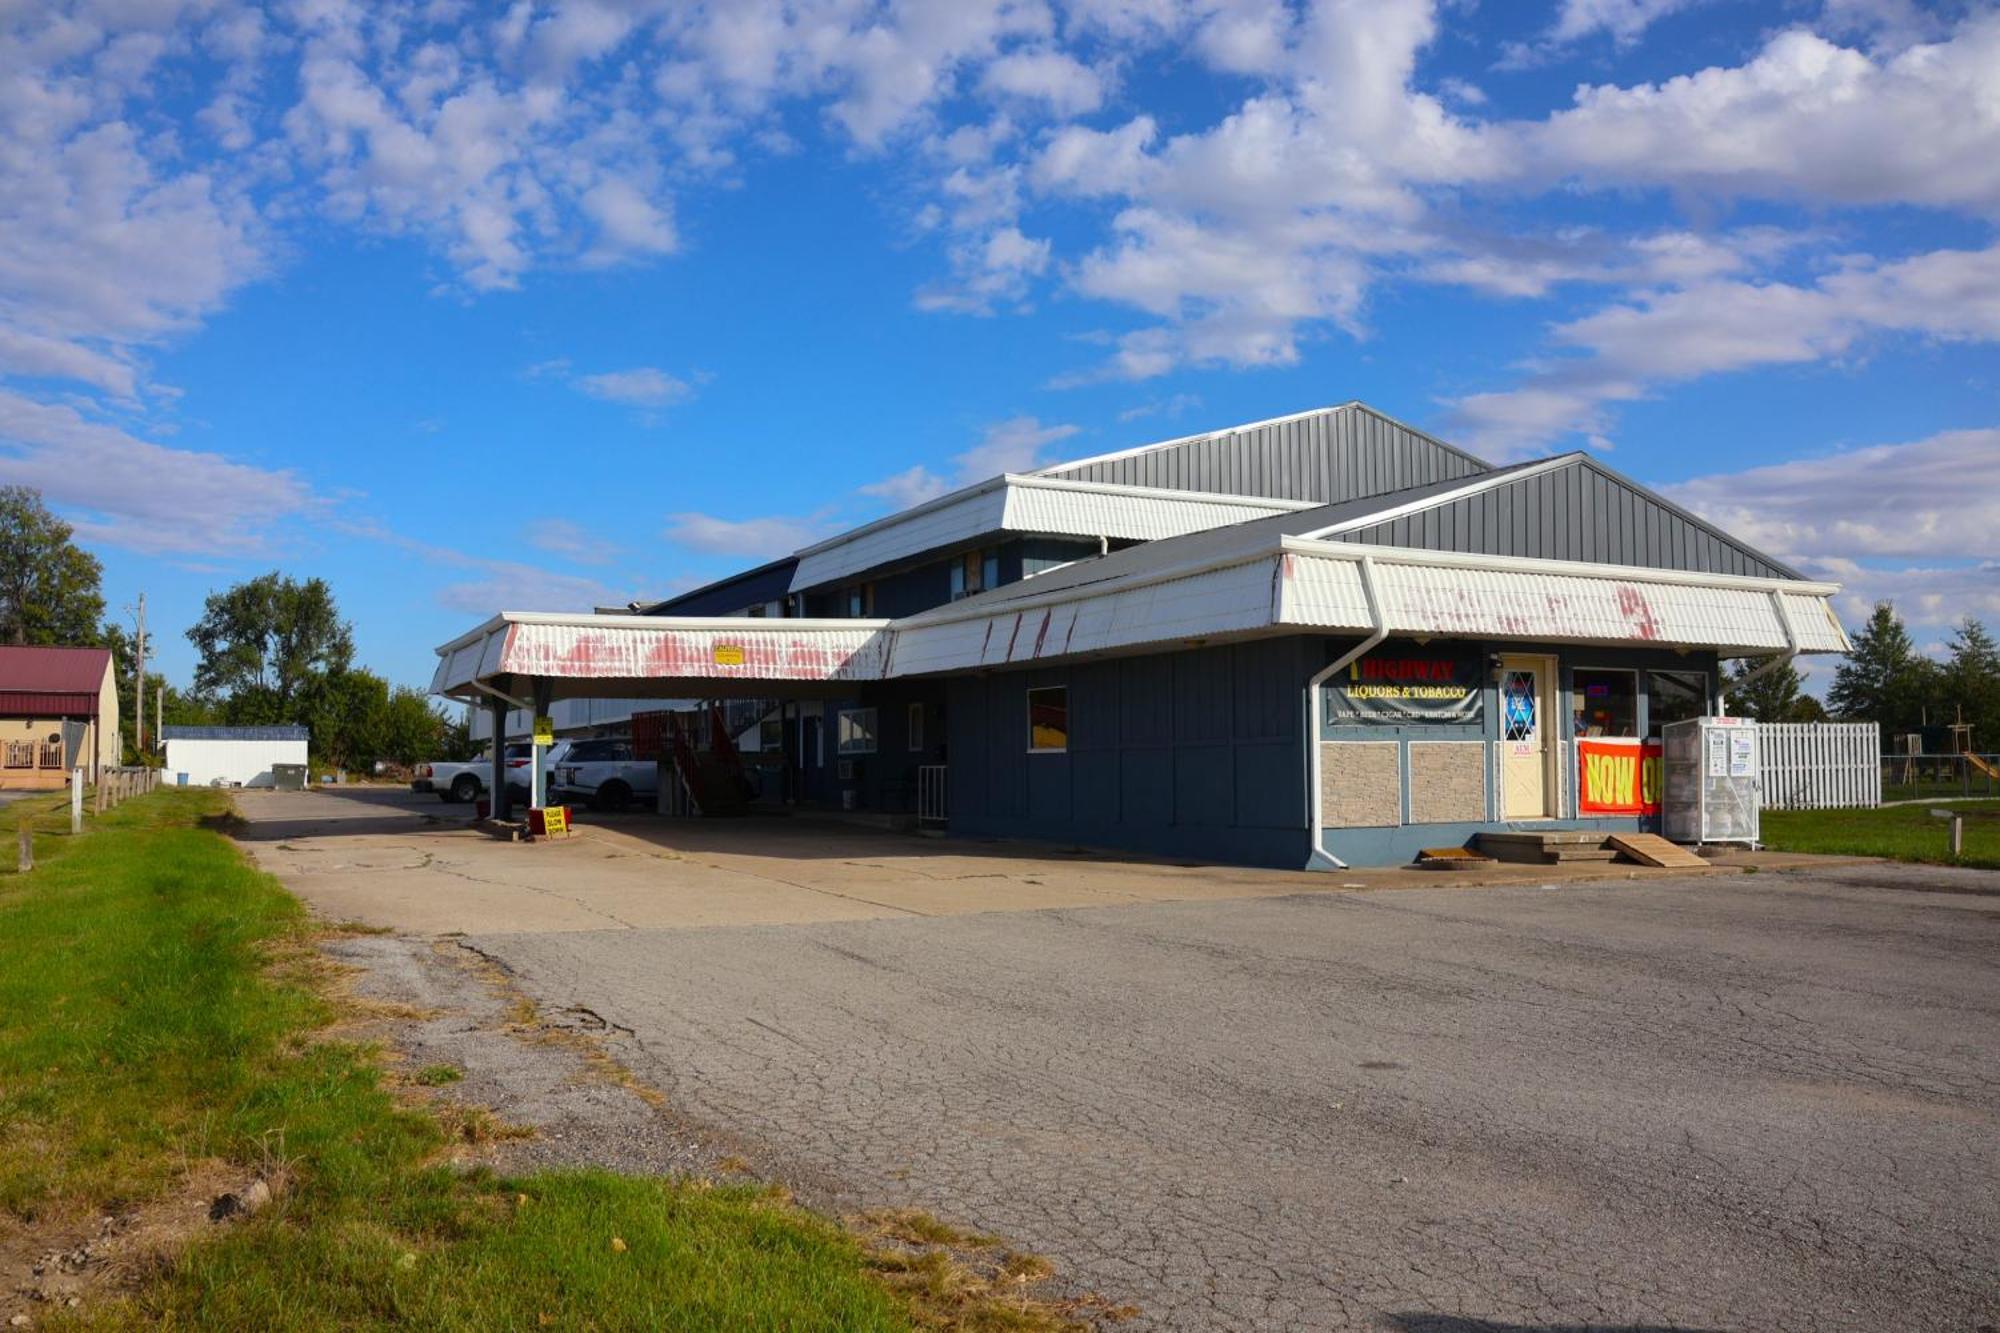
(1252, 580)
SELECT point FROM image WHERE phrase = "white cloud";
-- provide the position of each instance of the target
(1929, 597)
(1067, 85)
(641, 386)
(1806, 119)
(1622, 20)
(1013, 445)
(1725, 326)
(131, 492)
(155, 158)
(1917, 524)
(912, 486)
(1937, 498)
(1279, 220)
(1171, 406)
(631, 223)
(755, 538)
(561, 536)
(518, 587)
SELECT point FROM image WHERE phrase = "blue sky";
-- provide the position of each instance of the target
(467, 306)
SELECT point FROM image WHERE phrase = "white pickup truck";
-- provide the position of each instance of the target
(465, 781)
(603, 774)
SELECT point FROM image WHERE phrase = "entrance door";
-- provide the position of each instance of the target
(1527, 737)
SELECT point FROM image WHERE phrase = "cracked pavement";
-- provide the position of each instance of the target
(1748, 1103)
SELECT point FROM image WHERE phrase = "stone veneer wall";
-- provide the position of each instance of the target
(1447, 782)
(1361, 784)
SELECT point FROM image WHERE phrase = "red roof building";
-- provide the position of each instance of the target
(58, 711)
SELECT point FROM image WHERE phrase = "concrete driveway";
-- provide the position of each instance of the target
(1746, 1103)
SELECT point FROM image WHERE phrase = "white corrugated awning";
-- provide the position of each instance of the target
(1242, 587)
(659, 654)
(1049, 506)
(1442, 593)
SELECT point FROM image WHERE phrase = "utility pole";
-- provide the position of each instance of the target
(139, 679)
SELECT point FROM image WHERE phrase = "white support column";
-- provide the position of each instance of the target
(76, 800)
(542, 692)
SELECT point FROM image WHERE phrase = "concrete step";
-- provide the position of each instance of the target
(1545, 837)
(1546, 847)
(1578, 855)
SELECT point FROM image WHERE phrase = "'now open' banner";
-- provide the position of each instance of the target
(1618, 778)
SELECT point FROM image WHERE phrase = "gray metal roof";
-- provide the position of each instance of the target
(235, 733)
(1571, 508)
(1330, 454)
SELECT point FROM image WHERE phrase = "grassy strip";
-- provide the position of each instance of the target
(1898, 833)
(157, 1015)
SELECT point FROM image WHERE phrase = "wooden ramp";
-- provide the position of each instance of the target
(1650, 849)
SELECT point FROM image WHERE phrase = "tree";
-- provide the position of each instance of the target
(345, 711)
(1884, 680)
(268, 649)
(457, 742)
(51, 589)
(1971, 684)
(1775, 696)
(412, 728)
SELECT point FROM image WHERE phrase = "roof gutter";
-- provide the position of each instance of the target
(1320, 858)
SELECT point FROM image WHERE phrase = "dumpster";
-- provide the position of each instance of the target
(288, 777)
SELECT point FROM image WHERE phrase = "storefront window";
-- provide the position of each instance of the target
(1677, 696)
(1048, 720)
(1607, 702)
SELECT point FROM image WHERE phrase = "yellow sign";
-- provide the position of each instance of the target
(555, 821)
(728, 654)
(545, 731)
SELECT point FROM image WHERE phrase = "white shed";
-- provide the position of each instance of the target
(231, 756)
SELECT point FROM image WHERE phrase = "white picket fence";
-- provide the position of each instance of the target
(1820, 765)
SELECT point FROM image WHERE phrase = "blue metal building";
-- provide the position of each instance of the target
(1324, 639)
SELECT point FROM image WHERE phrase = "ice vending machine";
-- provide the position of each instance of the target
(1712, 782)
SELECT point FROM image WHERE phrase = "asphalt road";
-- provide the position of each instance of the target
(1765, 1103)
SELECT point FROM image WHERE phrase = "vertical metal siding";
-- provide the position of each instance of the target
(1338, 454)
(1570, 513)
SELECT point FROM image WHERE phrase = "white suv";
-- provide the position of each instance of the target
(603, 773)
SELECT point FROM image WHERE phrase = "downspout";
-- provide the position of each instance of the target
(1771, 663)
(1321, 859)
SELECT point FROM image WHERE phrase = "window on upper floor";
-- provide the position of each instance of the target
(861, 600)
(975, 571)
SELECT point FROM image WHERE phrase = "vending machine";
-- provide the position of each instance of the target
(1712, 783)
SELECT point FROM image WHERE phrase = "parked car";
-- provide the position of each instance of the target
(603, 774)
(466, 781)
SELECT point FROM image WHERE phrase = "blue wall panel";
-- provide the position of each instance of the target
(1194, 754)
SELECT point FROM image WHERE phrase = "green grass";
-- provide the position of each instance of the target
(158, 1012)
(1899, 833)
